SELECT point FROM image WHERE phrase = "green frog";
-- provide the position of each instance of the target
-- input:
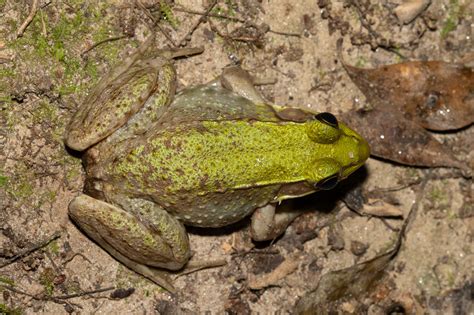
(207, 157)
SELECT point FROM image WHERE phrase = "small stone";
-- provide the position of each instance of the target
(358, 248)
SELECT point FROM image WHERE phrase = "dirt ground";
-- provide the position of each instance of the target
(47, 67)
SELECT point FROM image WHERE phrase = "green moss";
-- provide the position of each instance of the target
(46, 279)
(6, 280)
(20, 184)
(361, 62)
(455, 12)
(229, 8)
(6, 310)
(168, 15)
(53, 247)
(57, 46)
(44, 112)
(3, 180)
(438, 195)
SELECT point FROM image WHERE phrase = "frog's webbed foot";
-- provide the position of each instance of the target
(270, 221)
(160, 277)
(141, 239)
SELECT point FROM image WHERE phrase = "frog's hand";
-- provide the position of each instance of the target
(240, 82)
(121, 94)
(270, 221)
(130, 239)
(212, 102)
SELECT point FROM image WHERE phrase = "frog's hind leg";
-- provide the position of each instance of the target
(120, 94)
(142, 238)
(270, 221)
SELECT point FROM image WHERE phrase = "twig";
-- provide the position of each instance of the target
(168, 37)
(30, 250)
(196, 266)
(414, 209)
(38, 298)
(414, 182)
(58, 298)
(284, 33)
(155, 22)
(232, 18)
(28, 19)
(203, 17)
(70, 296)
(245, 39)
(111, 39)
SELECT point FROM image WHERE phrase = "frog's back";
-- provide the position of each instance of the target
(169, 168)
(212, 102)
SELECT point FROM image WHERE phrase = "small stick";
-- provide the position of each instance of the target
(111, 39)
(70, 296)
(155, 22)
(210, 14)
(196, 266)
(28, 20)
(284, 33)
(30, 250)
(195, 26)
(38, 298)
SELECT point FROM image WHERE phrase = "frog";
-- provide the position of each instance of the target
(157, 161)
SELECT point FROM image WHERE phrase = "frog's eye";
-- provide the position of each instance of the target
(328, 119)
(327, 183)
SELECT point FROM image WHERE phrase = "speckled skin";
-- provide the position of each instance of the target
(208, 158)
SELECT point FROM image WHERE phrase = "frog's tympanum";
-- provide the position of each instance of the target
(207, 157)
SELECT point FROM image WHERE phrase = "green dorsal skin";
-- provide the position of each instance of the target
(212, 156)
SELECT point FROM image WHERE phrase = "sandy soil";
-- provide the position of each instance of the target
(46, 73)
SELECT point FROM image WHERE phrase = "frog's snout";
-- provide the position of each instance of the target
(364, 150)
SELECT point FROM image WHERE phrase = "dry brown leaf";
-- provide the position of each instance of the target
(285, 268)
(395, 138)
(380, 208)
(434, 94)
(410, 9)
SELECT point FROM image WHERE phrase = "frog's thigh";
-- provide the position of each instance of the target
(269, 222)
(240, 82)
(163, 244)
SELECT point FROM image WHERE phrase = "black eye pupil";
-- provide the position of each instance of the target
(327, 183)
(327, 118)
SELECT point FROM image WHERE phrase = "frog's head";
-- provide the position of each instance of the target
(340, 151)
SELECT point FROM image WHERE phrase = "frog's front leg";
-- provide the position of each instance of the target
(146, 236)
(240, 82)
(271, 221)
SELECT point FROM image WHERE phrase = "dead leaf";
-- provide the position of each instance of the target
(434, 94)
(395, 138)
(380, 208)
(288, 266)
(353, 281)
(410, 9)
